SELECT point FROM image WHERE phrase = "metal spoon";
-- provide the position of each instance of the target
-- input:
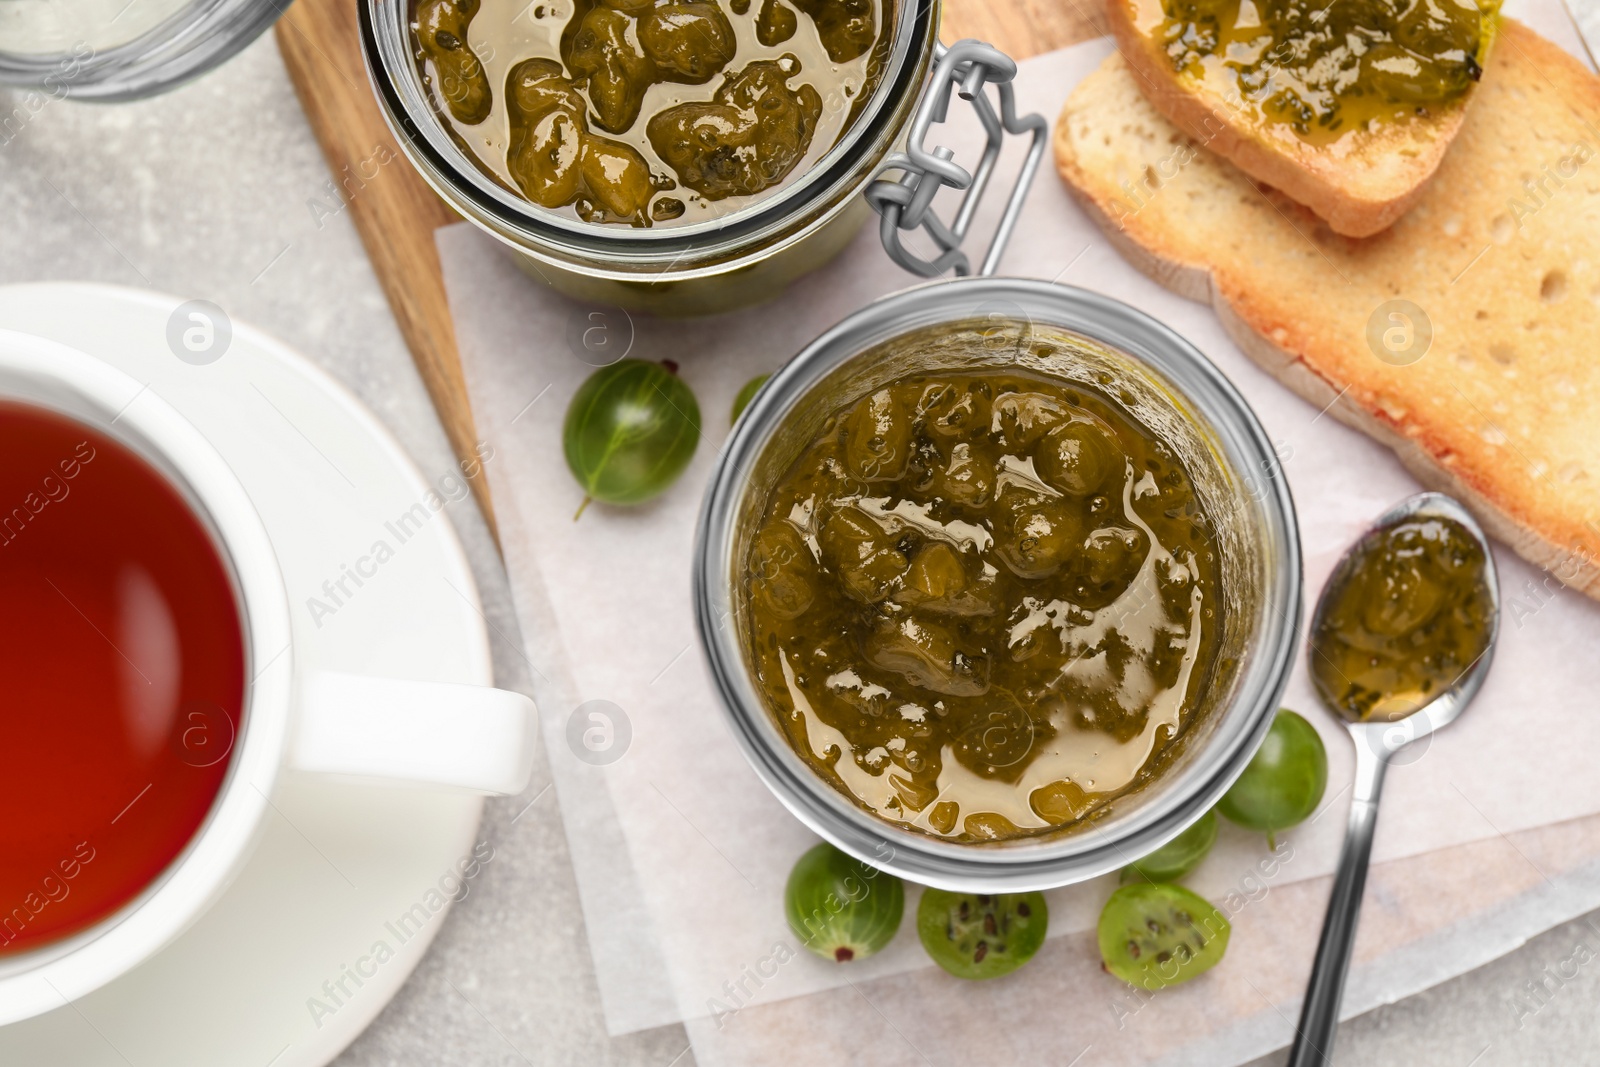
(1376, 743)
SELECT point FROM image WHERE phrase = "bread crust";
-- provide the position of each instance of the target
(1498, 411)
(1359, 192)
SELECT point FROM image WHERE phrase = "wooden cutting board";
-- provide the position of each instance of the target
(396, 213)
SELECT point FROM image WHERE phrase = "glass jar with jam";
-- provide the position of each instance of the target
(992, 588)
(684, 156)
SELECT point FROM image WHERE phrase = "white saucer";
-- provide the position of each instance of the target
(340, 864)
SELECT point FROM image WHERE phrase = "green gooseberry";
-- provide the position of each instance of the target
(840, 908)
(1155, 935)
(1177, 857)
(631, 429)
(1284, 782)
(981, 935)
(746, 394)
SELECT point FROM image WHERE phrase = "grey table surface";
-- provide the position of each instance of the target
(207, 193)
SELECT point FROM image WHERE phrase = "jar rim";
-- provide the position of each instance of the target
(422, 135)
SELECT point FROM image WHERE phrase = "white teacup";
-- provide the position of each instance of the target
(460, 737)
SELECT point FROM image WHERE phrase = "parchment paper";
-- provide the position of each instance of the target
(1425, 919)
(681, 854)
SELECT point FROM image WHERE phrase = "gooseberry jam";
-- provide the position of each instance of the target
(1411, 616)
(983, 604)
(1323, 70)
(648, 112)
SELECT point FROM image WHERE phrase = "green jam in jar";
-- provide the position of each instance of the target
(648, 112)
(982, 604)
(1324, 69)
(1411, 615)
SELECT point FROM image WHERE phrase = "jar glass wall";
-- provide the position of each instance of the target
(113, 50)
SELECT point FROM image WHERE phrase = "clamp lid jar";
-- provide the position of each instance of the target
(694, 261)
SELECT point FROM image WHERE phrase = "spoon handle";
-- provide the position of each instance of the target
(1319, 1017)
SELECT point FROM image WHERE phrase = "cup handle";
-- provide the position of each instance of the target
(463, 737)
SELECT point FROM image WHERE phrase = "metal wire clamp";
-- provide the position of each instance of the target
(905, 203)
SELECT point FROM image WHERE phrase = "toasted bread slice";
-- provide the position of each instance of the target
(1360, 183)
(1501, 253)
